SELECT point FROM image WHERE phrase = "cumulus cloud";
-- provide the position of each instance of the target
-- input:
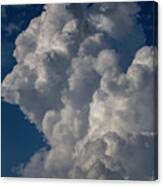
(70, 82)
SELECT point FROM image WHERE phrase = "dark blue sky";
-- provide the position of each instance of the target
(19, 138)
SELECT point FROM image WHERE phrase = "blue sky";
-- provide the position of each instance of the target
(14, 151)
(16, 130)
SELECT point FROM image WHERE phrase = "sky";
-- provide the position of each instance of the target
(13, 150)
(21, 140)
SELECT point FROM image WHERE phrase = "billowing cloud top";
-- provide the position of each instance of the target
(70, 82)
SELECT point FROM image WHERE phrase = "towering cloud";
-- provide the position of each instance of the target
(70, 81)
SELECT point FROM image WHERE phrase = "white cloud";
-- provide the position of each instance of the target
(69, 82)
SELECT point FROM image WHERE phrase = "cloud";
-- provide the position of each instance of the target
(70, 82)
(123, 98)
